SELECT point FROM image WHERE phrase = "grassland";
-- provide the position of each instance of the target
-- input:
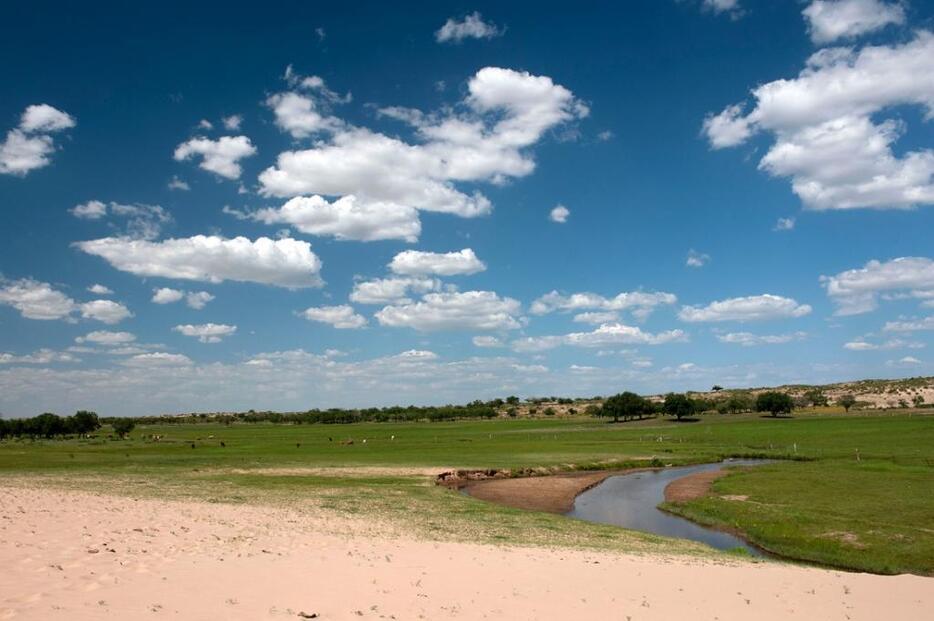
(875, 513)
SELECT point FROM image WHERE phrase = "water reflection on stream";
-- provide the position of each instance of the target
(631, 500)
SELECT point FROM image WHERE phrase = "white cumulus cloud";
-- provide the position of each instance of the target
(470, 27)
(752, 308)
(98, 289)
(29, 146)
(559, 214)
(487, 342)
(829, 138)
(857, 291)
(391, 290)
(106, 337)
(207, 332)
(468, 310)
(640, 303)
(342, 317)
(105, 311)
(347, 218)
(607, 334)
(282, 262)
(829, 20)
(748, 339)
(696, 259)
(420, 263)
(486, 138)
(221, 157)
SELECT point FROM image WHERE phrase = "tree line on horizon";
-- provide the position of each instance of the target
(625, 406)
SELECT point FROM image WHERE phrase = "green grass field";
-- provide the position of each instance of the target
(874, 514)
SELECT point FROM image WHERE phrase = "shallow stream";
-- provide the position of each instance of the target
(631, 501)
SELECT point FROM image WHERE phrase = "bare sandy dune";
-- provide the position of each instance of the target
(78, 556)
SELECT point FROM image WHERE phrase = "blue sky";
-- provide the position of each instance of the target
(288, 206)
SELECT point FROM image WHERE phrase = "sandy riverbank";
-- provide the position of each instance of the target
(86, 556)
(554, 493)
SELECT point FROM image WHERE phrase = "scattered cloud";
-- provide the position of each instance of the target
(485, 138)
(828, 139)
(640, 303)
(728, 7)
(784, 224)
(100, 290)
(597, 318)
(487, 342)
(207, 332)
(907, 361)
(863, 345)
(829, 20)
(105, 337)
(158, 359)
(753, 308)
(857, 291)
(285, 262)
(38, 300)
(198, 299)
(346, 218)
(232, 122)
(468, 310)
(913, 325)
(194, 299)
(221, 157)
(342, 317)
(420, 263)
(165, 295)
(105, 311)
(142, 221)
(29, 146)
(391, 290)
(91, 210)
(470, 27)
(177, 184)
(748, 339)
(559, 214)
(41, 356)
(605, 335)
(697, 259)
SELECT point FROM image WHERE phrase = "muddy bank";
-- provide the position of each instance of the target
(554, 493)
(693, 486)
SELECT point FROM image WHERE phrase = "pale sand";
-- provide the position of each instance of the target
(155, 559)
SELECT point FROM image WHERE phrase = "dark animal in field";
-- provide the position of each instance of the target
(223, 445)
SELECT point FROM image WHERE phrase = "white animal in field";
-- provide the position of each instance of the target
(392, 437)
(364, 440)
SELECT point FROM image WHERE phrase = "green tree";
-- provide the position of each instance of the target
(816, 398)
(739, 402)
(847, 401)
(678, 405)
(48, 425)
(626, 405)
(918, 400)
(774, 403)
(85, 422)
(123, 426)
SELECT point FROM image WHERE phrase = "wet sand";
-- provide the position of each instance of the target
(553, 493)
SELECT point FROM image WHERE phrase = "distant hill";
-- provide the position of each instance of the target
(869, 393)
